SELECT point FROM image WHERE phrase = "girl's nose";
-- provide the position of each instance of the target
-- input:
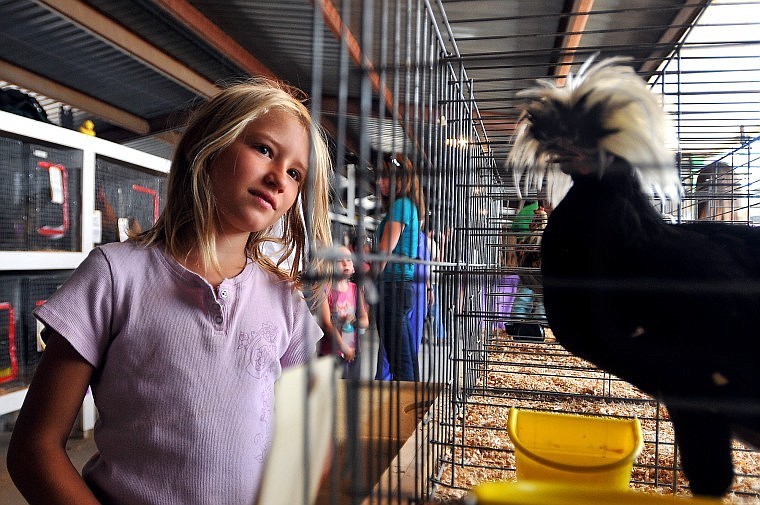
(275, 178)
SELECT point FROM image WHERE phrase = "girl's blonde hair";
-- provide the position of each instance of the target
(400, 170)
(189, 219)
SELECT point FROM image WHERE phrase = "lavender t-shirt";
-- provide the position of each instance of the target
(184, 380)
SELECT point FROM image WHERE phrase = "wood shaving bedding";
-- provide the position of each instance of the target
(545, 376)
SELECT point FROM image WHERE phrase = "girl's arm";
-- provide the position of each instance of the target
(334, 333)
(390, 238)
(325, 320)
(37, 458)
(362, 314)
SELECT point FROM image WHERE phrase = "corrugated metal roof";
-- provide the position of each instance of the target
(506, 46)
(278, 33)
(501, 45)
(45, 43)
(152, 23)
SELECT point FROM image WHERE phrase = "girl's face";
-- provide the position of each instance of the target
(384, 184)
(344, 266)
(257, 178)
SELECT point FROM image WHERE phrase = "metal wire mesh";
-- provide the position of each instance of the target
(407, 102)
(417, 95)
(415, 79)
(127, 199)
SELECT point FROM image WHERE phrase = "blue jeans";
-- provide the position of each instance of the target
(397, 340)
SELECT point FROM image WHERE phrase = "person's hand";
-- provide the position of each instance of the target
(430, 296)
(349, 353)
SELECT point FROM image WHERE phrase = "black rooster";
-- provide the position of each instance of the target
(673, 309)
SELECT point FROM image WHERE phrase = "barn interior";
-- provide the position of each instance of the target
(436, 80)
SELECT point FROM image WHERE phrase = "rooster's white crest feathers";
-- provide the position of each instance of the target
(609, 109)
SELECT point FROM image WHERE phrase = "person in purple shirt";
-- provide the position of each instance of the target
(182, 330)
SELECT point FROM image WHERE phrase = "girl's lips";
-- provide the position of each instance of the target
(265, 197)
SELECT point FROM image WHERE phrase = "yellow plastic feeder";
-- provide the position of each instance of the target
(548, 493)
(574, 449)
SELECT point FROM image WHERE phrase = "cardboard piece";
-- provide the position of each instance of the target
(302, 439)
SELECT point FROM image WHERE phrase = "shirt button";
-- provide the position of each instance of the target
(218, 319)
(224, 293)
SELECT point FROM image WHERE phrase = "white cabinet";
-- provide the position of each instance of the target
(61, 194)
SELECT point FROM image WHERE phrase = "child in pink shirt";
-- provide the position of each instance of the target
(344, 315)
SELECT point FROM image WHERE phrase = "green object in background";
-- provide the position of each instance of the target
(522, 220)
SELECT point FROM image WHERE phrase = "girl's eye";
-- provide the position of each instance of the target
(295, 174)
(262, 149)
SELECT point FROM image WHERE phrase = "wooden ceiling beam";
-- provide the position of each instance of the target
(341, 31)
(118, 36)
(73, 97)
(679, 26)
(571, 39)
(202, 27)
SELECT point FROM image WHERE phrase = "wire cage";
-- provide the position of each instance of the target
(128, 199)
(41, 196)
(434, 83)
(21, 345)
(716, 159)
(410, 103)
(406, 86)
(36, 287)
(55, 176)
(11, 345)
(14, 217)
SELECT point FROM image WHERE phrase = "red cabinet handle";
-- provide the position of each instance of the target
(58, 231)
(154, 194)
(6, 376)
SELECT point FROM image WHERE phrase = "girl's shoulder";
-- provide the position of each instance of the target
(119, 252)
(126, 247)
(404, 201)
(127, 258)
(404, 208)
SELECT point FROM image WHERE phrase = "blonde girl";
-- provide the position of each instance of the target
(182, 330)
